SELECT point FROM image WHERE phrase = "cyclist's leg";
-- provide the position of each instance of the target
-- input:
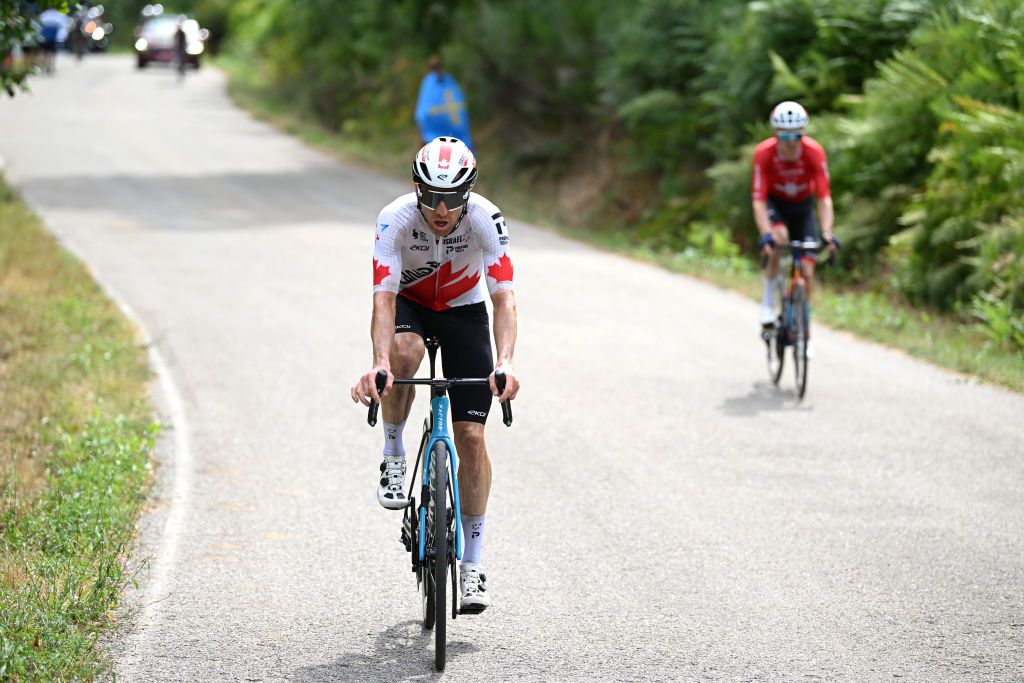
(770, 272)
(805, 227)
(466, 352)
(474, 490)
(407, 351)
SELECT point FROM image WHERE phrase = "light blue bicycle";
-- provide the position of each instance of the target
(432, 531)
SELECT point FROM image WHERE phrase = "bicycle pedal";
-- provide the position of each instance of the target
(472, 609)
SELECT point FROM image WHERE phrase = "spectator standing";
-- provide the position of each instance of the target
(441, 107)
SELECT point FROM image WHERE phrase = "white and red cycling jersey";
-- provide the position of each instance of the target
(441, 272)
(792, 181)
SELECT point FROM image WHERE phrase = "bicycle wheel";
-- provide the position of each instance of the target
(424, 572)
(439, 562)
(774, 338)
(801, 333)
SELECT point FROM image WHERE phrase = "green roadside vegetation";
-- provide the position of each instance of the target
(870, 307)
(76, 433)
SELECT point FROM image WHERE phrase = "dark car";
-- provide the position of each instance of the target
(155, 40)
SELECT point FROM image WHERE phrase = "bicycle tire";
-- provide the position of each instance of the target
(422, 575)
(425, 576)
(801, 333)
(774, 338)
(439, 565)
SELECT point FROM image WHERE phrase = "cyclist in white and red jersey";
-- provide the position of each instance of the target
(433, 248)
(790, 180)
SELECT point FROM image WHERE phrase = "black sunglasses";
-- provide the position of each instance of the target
(430, 198)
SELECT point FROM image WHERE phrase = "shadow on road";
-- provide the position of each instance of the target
(403, 652)
(202, 199)
(763, 397)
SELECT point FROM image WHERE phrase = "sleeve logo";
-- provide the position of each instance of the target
(380, 271)
(501, 270)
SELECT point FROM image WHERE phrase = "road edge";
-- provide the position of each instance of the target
(156, 543)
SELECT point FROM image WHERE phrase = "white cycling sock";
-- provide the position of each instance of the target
(473, 538)
(768, 301)
(393, 445)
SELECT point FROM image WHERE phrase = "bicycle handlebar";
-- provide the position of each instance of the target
(797, 245)
(381, 381)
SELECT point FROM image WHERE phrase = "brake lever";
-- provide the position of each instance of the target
(381, 380)
(506, 406)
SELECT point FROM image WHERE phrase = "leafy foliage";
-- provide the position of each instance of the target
(658, 103)
(16, 33)
(934, 161)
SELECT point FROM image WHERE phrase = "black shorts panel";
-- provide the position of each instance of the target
(798, 217)
(465, 336)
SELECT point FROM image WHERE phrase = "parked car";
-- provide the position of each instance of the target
(155, 40)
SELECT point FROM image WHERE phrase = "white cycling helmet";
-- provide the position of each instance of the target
(445, 163)
(789, 116)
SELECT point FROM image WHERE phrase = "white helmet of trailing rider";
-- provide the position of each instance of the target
(444, 170)
(789, 116)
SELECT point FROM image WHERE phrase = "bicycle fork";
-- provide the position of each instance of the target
(440, 418)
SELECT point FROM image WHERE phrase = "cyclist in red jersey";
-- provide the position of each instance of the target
(434, 249)
(790, 180)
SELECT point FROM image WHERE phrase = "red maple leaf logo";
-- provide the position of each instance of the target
(501, 270)
(444, 157)
(379, 272)
(444, 286)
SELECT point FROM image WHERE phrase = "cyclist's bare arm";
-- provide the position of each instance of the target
(505, 329)
(826, 215)
(382, 334)
(760, 207)
(763, 222)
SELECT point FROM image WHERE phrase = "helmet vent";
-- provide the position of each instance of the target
(425, 171)
(458, 176)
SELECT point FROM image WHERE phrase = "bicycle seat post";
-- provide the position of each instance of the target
(433, 343)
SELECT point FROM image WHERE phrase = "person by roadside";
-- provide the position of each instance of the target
(441, 107)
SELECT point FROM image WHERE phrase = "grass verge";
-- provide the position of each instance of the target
(943, 339)
(76, 432)
(954, 342)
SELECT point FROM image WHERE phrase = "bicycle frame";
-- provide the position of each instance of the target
(796, 277)
(439, 432)
(437, 424)
(439, 405)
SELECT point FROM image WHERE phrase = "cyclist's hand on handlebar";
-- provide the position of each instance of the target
(833, 242)
(511, 383)
(366, 387)
(766, 243)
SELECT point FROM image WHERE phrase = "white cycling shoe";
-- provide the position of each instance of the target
(472, 590)
(767, 316)
(391, 490)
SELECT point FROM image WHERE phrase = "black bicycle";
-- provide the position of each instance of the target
(792, 326)
(432, 530)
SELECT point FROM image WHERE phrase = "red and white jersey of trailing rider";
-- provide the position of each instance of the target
(441, 272)
(794, 180)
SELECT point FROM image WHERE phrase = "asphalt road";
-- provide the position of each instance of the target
(659, 512)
